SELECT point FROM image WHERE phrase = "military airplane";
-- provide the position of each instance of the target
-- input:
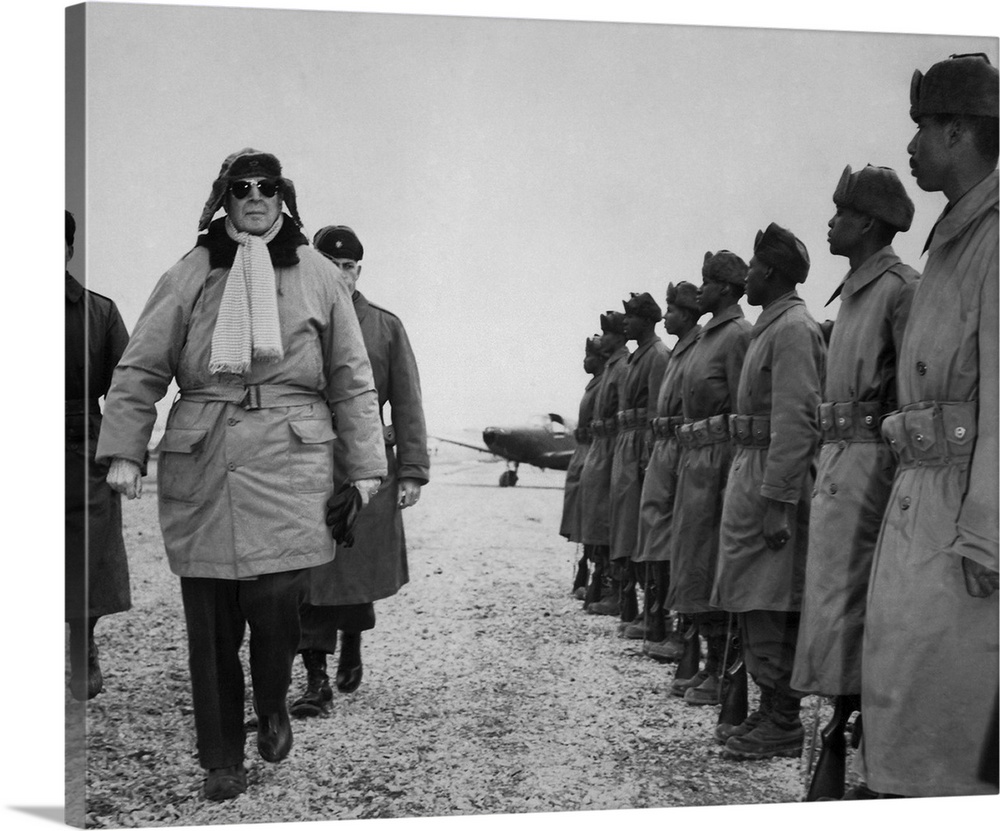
(547, 443)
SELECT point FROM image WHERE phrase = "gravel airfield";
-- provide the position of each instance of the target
(487, 690)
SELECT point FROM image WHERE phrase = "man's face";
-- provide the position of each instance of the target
(710, 295)
(929, 155)
(591, 363)
(674, 319)
(350, 270)
(846, 231)
(253, 212)
(756, 284)
(634, 326)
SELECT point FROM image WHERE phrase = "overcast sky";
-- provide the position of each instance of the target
(509, 179)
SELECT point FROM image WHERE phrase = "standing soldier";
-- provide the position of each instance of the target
(96, 564)
(593, 364)
(929, 662)
(595, 480)
(765, 515)
(637, 388)
(855, 466)
(710, 390)
(342, 593)
(656, 510)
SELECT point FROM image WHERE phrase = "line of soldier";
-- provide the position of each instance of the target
(705, 474)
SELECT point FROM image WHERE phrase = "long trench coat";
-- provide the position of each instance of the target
(376, 566)
(656, 504)
(854, 473)
(571, 524)
(243, 489)
(595, 478)
(710, 389)
(780, 382)
(97, 579)
(929, 663)
(637, 389)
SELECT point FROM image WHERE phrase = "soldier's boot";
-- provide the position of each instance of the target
(610, 602)
(595, 586)
(349, 666)
(687, 674)
(638, 630)
(724, 731)
(671, 648)
(315, 699)
(709, 690)
(778, 734)
(629, 610)
(86, 679)
(580, 581)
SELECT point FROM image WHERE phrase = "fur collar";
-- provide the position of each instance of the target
(222, 250)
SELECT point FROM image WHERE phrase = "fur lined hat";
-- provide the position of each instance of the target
(724, 267)
(782, 250)
(643, 305)
(340, 242)
(243, 164)
(684, 295)
(877, 192)
(593, 346)
(613, 322)
(960, 85)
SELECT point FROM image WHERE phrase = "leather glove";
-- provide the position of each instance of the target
(342, 511)
(979, 580)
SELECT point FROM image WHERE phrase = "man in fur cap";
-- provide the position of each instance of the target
(637, 391)
(261, 336)
(929, 660)
(710, 387)
(855, 464)
(765, 514)
(595, 478)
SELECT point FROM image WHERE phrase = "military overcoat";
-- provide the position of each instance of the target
(571, 524)
(710, 389)
(779, 388)
(854, 472)
(376, 565)
(929, 663)
(656, 506)
(97, 578)
(245, 465)
(637, 389)
(595, 478)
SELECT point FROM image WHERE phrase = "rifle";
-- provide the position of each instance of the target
(828, 778)
(733, 688)
(687, 666)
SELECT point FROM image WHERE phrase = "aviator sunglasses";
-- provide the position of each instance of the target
(266, 187)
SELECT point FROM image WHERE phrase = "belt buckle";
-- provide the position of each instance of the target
(251, 397)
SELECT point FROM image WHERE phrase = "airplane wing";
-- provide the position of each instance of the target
(480, 448)
(557, 459)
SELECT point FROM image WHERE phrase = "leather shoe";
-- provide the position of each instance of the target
(225, 783)
(349, 678)
(274, 735)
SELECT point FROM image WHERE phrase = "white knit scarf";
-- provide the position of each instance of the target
(247, 326)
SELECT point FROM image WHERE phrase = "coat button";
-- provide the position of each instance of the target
(959, 432)
(841, 421)
(231, 466)
(905, 503)
(921, 368)
(833, 488)
(233, 422)
(868, 420)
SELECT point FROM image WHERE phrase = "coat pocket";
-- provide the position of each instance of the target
(181, 471)
(311, 455)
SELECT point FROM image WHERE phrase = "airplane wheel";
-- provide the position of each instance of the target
(508, 479)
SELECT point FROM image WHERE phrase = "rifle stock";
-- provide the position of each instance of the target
(733, 690)
(828, 778)
(687, 666)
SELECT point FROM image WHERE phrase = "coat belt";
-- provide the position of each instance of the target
(604, 427)
(704, 431)
(665, 427)
(583, 435)
(932, 432)
(750, 431)
(856, 421)
(634, 419)
(254, 396)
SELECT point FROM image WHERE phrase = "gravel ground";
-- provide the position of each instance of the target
(487, 690)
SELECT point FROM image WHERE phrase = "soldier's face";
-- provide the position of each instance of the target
(709, 295)
(350, 270)
(756, 282)
(674, 319)
(633, 326)
(929, 153)
(253, 213)
(846, 231)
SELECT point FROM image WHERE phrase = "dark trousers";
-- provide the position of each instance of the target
(320, 624)
(217, 613)
(769, 648)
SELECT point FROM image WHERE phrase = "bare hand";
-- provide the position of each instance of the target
(980, 581)
(125, 477)
(409, 492)
(367, 488)
(777, 525)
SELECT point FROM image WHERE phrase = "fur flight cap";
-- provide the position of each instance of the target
(684, 295)
(245, 164)
(960, 85)
(877, 192)
(339, 242)
(643, 305)
(724, 267)
(593, 346)
(613, 322)
(783, 251)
